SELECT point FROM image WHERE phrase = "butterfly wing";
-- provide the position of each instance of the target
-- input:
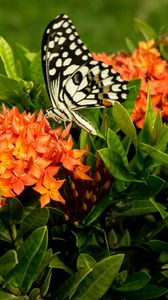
(73, 79)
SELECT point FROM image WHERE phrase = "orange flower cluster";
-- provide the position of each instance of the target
(144, 62)
(31, 154)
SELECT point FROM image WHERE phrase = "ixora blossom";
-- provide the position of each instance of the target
(33, 154)
(144, 62)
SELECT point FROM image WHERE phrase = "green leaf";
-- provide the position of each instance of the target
(140, 207)
(36, 261)
(46, 284)
(97, 210)
(125, 239)
(85, 261)
(69, 287)
(33, 295)
(7, 57)
(10, 90)
(150, 188)
(30, 257)
(145, 29)
(116, 146)
(149, 121)
(57, 263)
(12, 210)
(135, 282)
(164, 51)
(130, 44)
(150, 291)
(37, 218)
(98, 281)
(5, 234)
(21, 61)
(157, 155)
(8, 262)
(46, 260)
(133, 88)
(84, 139)
(7, 296)
(162, 137)
(124, 122)
(115, 166)
(157, 128)
(158, 246)
(35, 69)
(160, 208)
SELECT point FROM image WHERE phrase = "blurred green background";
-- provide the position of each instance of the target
(102, 24)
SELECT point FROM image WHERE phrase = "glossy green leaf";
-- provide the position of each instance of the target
(10, 90)
(164, 51)
(7, 57)
(133, 88)
(145, 29)
(37, 218)
(150, 188)
(97, 210)
(150, 291)
(30, 257)
(46, 284)
(8, 262)
(157, 155)
(57, 263)
(21, 61)
(125, 239)
(124, 122)
(7, 296)
(149, 121)
(126, 142)
(12, 210)
(140, 207)
(130, 44)
(98, 281)
(5, 234)
(46, 260)
(85, 261)
(158, 246)
(161, 136)
(35, 69)
(36, 261)
(69, 287)
(135, 282)
(160, 208)
(34, 294)
(116, 146)
(157, 128)
(115, 166)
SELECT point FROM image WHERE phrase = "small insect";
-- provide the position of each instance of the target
(73, 79)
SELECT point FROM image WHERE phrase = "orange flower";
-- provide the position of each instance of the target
(6, 161)
(20, 177)
(80, 172)
(21, 148)
(144, 63)
(31, 153)
(48, 188)
(6, 188)
(71, 158)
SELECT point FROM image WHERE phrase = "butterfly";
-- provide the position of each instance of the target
(74, 80)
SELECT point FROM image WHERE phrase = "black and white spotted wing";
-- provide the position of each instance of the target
(73, 79)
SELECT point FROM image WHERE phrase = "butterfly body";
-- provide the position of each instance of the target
(73, 79)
